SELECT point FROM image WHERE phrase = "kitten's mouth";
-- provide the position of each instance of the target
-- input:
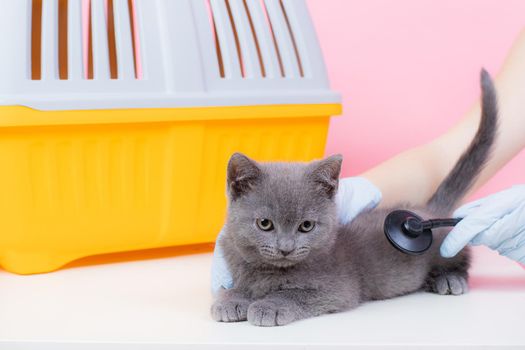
(283, 262)
(280, 260)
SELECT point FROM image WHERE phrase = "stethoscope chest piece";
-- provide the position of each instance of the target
(403, 239)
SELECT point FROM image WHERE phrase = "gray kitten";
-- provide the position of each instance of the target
(290, 258)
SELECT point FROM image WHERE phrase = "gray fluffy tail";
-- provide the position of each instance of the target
(473, 160)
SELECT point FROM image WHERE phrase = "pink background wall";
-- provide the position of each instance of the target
(410, 65)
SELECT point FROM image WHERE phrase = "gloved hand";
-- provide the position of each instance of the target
(354, 195)
(497, 221)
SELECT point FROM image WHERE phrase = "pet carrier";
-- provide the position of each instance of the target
(117, 118)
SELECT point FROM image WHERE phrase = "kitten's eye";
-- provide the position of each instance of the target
(307, 226)
(264, 224)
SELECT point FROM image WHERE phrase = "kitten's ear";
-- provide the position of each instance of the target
(242, 174)
(326, 172)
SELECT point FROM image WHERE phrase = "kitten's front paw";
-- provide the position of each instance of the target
(233, 310)
(266, 313)
(449, 284)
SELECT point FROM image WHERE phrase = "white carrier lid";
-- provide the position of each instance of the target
(159, 53)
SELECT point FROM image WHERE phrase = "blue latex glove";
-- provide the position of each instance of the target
(354, 195)
(497, 221)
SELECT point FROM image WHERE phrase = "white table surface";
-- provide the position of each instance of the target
(164, 304)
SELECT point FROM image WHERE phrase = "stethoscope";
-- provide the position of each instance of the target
(409, 233)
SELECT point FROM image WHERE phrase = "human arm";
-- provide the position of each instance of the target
(414, 175)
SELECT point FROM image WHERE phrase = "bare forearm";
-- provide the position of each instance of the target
(410, 176)
(415, 174)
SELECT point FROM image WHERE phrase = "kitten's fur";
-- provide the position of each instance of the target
(334, 267)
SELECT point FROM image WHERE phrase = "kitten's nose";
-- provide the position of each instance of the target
(285, 252)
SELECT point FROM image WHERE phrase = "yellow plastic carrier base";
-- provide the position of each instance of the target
(80, 183)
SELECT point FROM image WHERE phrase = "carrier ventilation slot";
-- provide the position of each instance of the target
(236, 36)
(292, 37)
(137, 63)
(274, 39)
(254, 36)
(112, 45)
(62, 39)
(213, 27)
(247, 34)
(84, 39)
(36, 40)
